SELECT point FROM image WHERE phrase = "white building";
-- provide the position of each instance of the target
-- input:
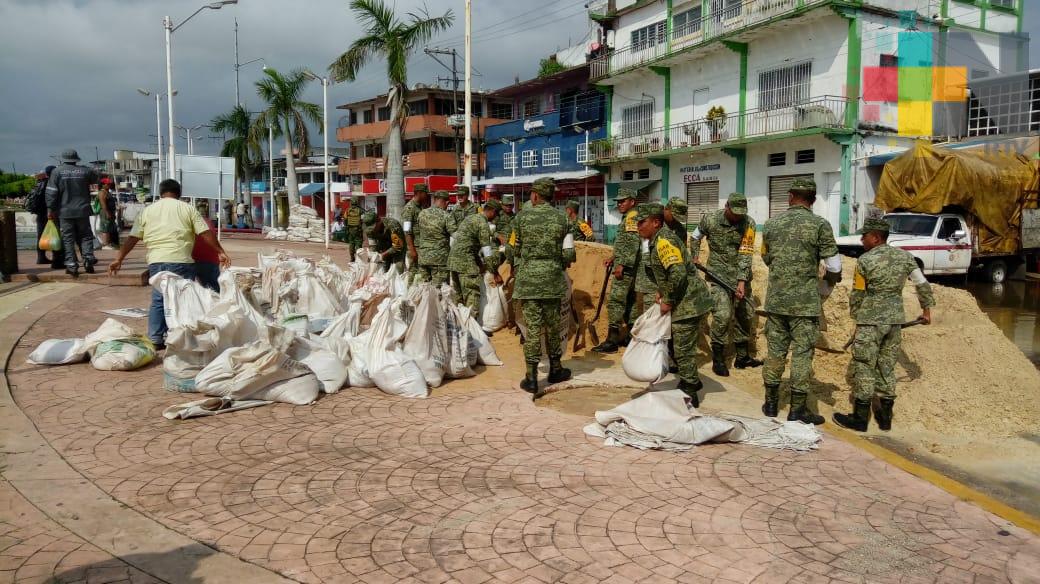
(708, 97)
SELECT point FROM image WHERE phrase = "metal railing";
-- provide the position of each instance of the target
(727, 18)
(821, 112)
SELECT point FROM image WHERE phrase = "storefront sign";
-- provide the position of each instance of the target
(700, 173)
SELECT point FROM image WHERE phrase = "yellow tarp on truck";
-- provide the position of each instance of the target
(991, 182)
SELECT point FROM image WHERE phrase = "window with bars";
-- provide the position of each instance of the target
(501, 111)
(530, 108)
(637, 119)
(805, 156)
(508, 161)
(1011, 106)
(785, 86)
(686, 22)
(529, 158)
(777, 158)
(583, 153)
(551, 156)
(649, 36)
(384, 113)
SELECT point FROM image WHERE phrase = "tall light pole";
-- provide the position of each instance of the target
(158, 124)
(188, 132)
(171, 159)
(238, 97)
(467, 156)
(270, 162)
(325, 134)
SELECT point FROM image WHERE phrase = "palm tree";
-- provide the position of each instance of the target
(393, 40)
(242, 144)
(288, 115)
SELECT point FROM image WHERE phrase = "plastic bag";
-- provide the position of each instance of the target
(124, 354)
(646, 358)
(58, 352)
(50, 239)
(492, 305)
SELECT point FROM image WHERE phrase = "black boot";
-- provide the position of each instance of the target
(718, 360)
(800, 413)
(744, 359)
(530, 383)
(858, 419)
(771, 405)
(88, 267)
(611, 344)
(690, 388)
(883, 413)
(557, 372)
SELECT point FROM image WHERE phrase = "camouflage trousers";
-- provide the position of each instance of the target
(875, 349)
(794, 334)
(542, 317)
(353, 238)
(684, 341)
(467, 291)
(620, 300)
(728, 311)
(413, 271)
(436, 275)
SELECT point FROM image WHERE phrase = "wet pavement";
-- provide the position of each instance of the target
(1015, 307)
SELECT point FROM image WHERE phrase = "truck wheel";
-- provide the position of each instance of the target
(996, 271)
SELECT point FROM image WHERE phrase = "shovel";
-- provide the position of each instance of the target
(915, 322)
(591, 325)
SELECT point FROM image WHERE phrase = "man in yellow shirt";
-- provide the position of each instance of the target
(168, 228)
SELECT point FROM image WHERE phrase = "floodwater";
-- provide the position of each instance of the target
(1015, 307)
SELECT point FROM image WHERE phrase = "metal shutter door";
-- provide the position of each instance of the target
(701, 198)
(779, 187)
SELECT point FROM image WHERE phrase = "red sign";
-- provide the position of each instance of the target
(436, 182)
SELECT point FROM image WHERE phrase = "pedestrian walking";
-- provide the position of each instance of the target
(682, 294)
(410, 223)
(463, 207)
(542, 248)
(876, 304)
(627, 251)
(472, 255)
(730, 232)
(386, 237)
(36, 203)
(579, 228)
(108, 226)
(241, 214)
(793, 244)
(168, 228)
(68, 199)
(436, 227)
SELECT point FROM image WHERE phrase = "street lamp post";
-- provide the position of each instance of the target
(325, 132)
(187, 131)
(238, 98)
(270, 162)
(158, 124)
(171, 159)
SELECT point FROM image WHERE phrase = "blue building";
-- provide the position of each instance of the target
(554, 119)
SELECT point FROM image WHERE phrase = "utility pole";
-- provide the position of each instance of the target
(467, 157)
(454, 100)
(238, 97)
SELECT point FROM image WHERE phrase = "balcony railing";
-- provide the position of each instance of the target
(728, 18)
(817, 113)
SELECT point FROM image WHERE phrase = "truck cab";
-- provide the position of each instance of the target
(941, 244)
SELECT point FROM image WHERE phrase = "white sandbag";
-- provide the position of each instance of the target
(328, 365)
(357, 369)
(646, 358)
(481, 344)
(461, 356)
(246, 372)
(300, 391)
(58, 352)
(109, 330)
(492, 304)
(297, 323)
(185, 301)
(389, 367)
(426, 340)
(348, 324)
(124, 354)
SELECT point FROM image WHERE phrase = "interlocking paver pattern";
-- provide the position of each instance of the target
(484, 486)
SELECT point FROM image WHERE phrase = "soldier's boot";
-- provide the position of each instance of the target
(558, 372)
(690, 388)
(858, 419)
(744, 359)
(611, 344)
(530, 383)
(771, 405)
(800, 413)
(883, 413)
(718, 360)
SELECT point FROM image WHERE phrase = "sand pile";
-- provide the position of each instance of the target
(587, 276)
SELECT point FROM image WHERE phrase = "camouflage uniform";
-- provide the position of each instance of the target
(678, 208)
(410, 224)
(352, 223)
(579, 228)
(470, 256)
(459, 213)
(435, 228)
(392, 238)
(627, 254)
(668, 267)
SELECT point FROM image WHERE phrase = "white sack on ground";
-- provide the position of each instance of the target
(426, 339)
(254, 371)
(109, 330)
(58, 352)
(185, 301)
(646, 358)
(357, 369)
(348, 324)
(125, 354)
(462, 356)
(388, 366)
(481, 344)
(327, 360)
(492, 304)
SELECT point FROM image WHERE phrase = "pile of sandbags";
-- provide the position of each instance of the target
(305, 225)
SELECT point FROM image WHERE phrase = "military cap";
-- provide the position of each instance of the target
(803, 185)
(441, 195)
(461, 191)
(645, 210)
(421, 188)
(493, 204)
(544, 186)
(369, 219)
(738, 203)
(573, 205)
(677, 206)
(875, 224)
(625, 193)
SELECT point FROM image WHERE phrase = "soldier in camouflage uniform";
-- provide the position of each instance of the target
(731, 244)
(675, 219)
(435, 229)
(410, 223)
(579, 228)
(793, 244)
(352, 223)
(683, 294)
(542, 249)
(876, 304)
(463, 208)
(472, 254)
(626, 262)
(385, 237)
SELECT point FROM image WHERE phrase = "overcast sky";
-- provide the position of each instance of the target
(69, 68)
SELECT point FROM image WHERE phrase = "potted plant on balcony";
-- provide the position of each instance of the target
(693, 133)
(716, 119)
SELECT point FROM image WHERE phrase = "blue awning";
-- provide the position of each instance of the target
(312, 188)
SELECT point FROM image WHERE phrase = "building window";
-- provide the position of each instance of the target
(443, 107)
(805, 156)
(529, 159)
(416, 145)
(419, 107)
(1008, 106)
(637, 174)
(384, 114)
(366, 117)
(778, 159)
(784, 87)
(1003, 3)
(445, 144)
(530, 108)
(686, 23)
(583, 153)
(551, 156)
(501, 111)
(888, 60)
(648, 36)
(637, 119)
(509, 161)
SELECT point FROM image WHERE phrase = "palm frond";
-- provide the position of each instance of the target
(347, 65)
(423, 27)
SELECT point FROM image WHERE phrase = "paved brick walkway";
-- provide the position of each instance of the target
(477, 484)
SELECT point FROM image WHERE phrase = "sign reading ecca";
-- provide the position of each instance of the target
(692, 174)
